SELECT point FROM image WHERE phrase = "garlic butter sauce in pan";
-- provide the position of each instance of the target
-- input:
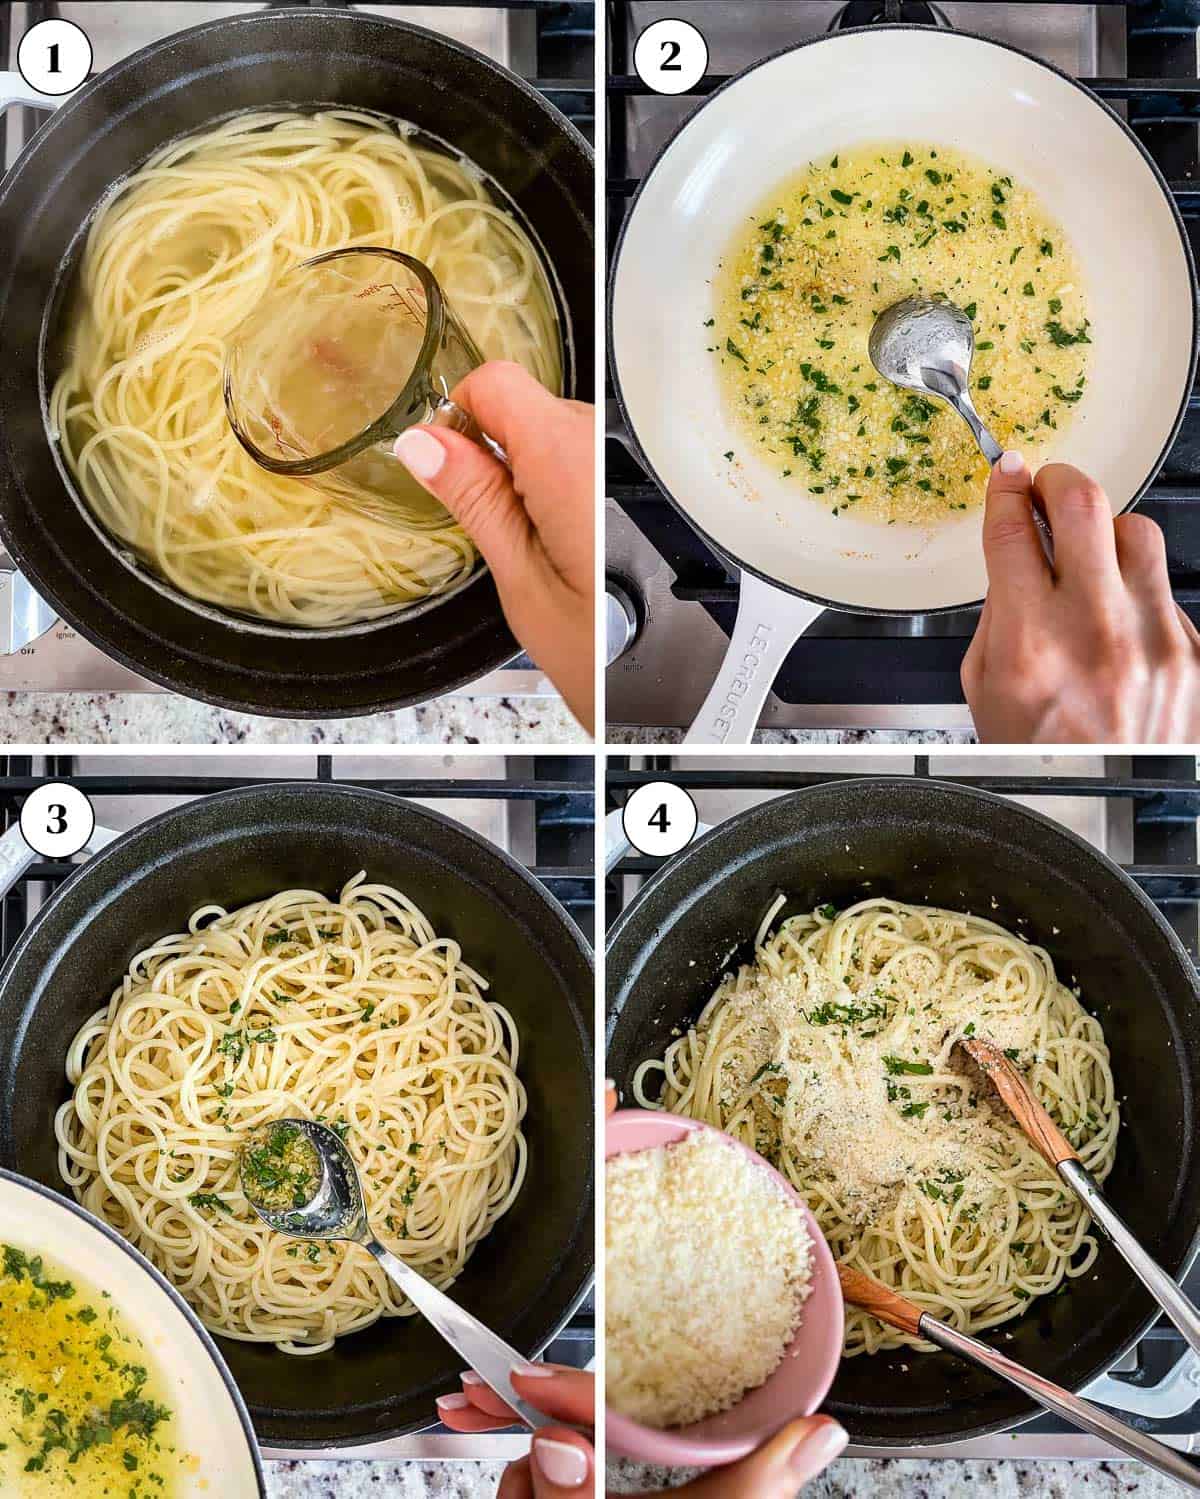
(895, 84)
(302, 59)
(965, 850)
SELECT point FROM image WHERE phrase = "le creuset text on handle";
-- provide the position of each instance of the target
(769, 622)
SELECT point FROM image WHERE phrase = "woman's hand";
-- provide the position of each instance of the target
(794, 1455)
(561, 1462)
(534, 526)
(1093, 650)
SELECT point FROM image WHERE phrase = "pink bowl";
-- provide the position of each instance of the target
(801, 1381)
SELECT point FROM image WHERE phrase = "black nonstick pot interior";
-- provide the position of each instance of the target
(302, 57)
(933, 843)
(527, 1275)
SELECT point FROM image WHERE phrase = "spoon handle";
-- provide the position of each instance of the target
(490, 1356)
(1161, 1286)
(1070, 1407)
(988, 446)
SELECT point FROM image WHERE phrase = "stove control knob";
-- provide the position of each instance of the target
(622, 618)
(24, 616)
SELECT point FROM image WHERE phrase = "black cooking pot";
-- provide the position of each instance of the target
(526, 1277)
(928, 842)
(301, 57)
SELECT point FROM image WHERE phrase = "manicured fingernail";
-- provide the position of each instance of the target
(560, 1462)
(609, 1085)
(534, 1371)
(421, 454)
(452, 1402)
(1008, 463)
(814, 1452)
(469, 1376)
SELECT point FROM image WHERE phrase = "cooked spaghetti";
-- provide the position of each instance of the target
(353, 1012)
(834, 1055)
(177, 256)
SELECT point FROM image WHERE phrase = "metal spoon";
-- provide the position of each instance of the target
(928, 347)
(337, 1211)
(890, 1307)
(1062, 1157)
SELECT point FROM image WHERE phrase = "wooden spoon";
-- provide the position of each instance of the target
(862, 1290)
(1058, 1152)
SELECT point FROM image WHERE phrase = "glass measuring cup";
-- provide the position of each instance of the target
(348, 350)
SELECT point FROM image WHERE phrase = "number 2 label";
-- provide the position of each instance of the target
(670, 57)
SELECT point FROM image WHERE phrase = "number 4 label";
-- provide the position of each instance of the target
(659, 819)
(670, 57)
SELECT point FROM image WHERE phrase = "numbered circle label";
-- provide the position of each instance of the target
(57, 820)
(54, 57)
(670, 57)
(659, 818)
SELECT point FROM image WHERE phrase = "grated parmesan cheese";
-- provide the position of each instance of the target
(707, 1269)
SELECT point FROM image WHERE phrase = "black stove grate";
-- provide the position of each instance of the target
(565, 43)
(856, 659)
(560, 788)
(1163, 793)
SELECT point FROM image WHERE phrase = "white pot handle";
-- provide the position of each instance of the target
(16, 856)
(617, 845)
(14, 90)
(769, 622)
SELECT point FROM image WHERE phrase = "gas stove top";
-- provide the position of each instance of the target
(672, 601)
(1142, 812)
(546, 41)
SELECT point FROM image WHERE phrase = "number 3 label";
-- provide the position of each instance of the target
(659, 819)
(54, 57)
(670, 57)
(57, 820)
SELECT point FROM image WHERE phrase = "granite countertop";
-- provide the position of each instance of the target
(166, 718)
(890, 1478)
(807, 736)
(873, 1479)
(381, 1480)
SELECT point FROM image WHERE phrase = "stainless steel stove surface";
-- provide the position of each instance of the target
(675, 601)
(1143, 813)
(546, 40)
(538, 810)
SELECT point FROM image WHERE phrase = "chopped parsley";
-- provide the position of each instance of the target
(900, 1065)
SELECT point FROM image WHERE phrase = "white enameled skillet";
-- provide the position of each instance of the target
(896, 83)
(211, 1423)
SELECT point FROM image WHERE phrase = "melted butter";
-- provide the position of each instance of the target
(80, 1403)
(799, 289)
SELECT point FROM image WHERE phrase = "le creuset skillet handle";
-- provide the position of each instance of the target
(14, 90)
(16, 856)
(769, 622)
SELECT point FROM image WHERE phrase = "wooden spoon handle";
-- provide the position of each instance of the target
(881, 1301)
(1041, 1130)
